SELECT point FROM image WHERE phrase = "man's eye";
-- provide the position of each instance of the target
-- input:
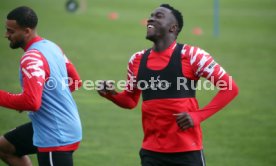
(159, 15)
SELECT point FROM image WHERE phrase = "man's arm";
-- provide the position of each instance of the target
(225, 95)
(74, 78)
(204, 66)
(34, 70)
(129, 98)
(125, 99)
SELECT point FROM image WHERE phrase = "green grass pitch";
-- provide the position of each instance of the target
(241, 134)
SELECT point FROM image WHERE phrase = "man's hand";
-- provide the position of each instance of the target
(184, 120)
(106, 88)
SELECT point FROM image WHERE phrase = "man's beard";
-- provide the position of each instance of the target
(152, 38)
(17, 44)
(157, 35)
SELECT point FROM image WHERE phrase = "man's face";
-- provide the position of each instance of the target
(159, 24)
(15, 34)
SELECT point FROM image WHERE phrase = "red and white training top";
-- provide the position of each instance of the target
(35, 72)
(161, 132)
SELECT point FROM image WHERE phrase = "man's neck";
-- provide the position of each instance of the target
(162, 45)
(28, 40)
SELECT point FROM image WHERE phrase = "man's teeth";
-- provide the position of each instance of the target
(150, 26)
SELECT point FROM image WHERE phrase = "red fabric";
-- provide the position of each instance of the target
(33, 81)
(223, 97)
(35, 70)
(71, 147)
(75, 78)
(75, 81)
(126, 99)
(161, 132)
(36, 39)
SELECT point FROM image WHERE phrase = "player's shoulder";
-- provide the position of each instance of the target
(191, 50)
(137, 56)
(32, 53)
(31, 57)
(187, 48)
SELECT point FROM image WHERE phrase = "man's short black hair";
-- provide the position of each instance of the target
(177, 14)
(24, 16)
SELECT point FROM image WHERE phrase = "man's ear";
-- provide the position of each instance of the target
(174, 28)
(28, 31)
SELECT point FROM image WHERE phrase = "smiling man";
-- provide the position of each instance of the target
(171, 116)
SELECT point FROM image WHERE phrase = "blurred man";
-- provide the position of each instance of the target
(54, 132)
(166, 76)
